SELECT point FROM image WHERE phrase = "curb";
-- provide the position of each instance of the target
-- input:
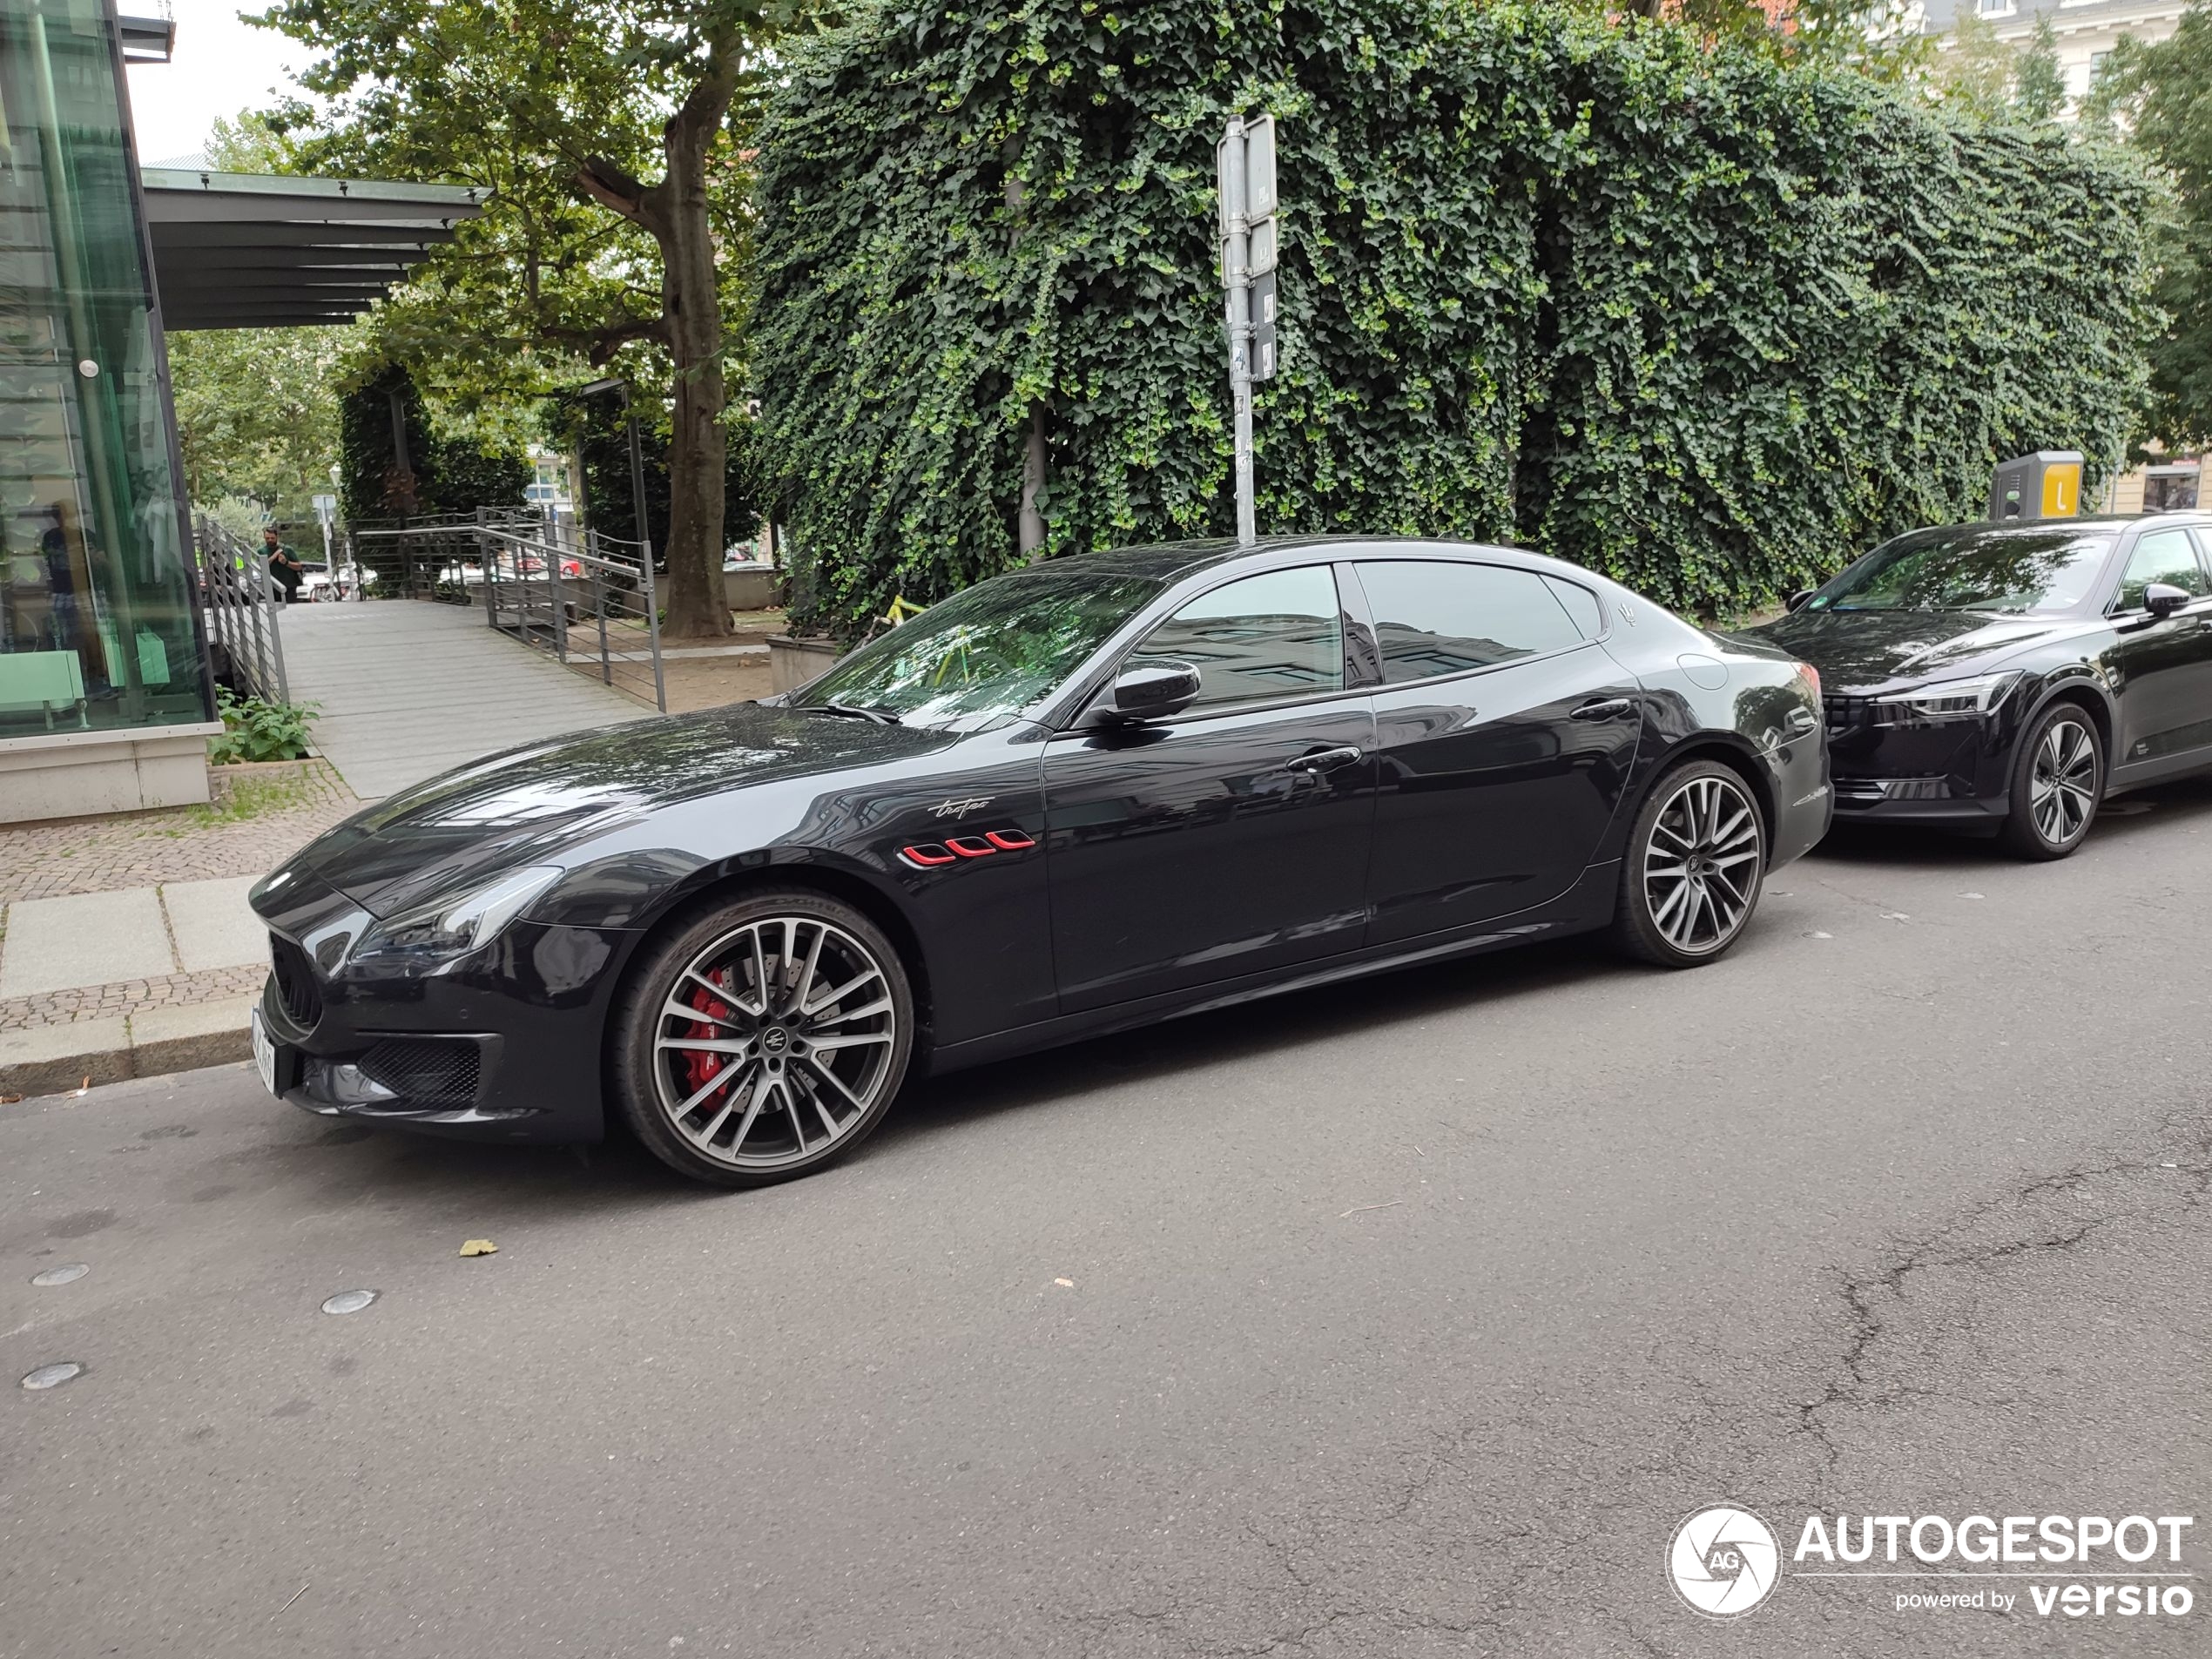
(54, 1059)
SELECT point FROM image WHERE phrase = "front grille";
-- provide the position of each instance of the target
(430, 1071)
(295, 982)
(1859, 792)
(1845, 712)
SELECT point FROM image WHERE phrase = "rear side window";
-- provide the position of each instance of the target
(1582, 605)
(2162, 556)
(1265, 636)
(1433, 618)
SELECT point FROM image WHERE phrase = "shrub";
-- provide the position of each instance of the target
(256, 730)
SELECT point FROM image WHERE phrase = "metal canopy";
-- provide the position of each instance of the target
(248, 251)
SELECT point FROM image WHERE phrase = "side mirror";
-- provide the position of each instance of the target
(1797, 601)
(2162, 599)
(1150, 687)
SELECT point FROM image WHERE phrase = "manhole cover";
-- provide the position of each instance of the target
(349, 1301)
(68, 1275)
(55, 1375)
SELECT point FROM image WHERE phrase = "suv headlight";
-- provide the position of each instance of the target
(431, 936)
(1967, 699)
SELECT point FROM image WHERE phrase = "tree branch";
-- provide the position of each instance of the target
(602, 181)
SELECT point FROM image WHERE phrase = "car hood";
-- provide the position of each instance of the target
(533, 804)
(1871, 650)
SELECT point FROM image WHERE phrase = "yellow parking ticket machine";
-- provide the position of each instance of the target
(2046, 484)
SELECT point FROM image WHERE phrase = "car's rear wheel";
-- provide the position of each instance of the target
(765, 1038)
(1696, 860)
(2058, 778)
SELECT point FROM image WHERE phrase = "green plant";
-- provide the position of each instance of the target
(256, 730)
(1705, 320)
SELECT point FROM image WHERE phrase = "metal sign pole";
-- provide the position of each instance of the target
(1237, 281)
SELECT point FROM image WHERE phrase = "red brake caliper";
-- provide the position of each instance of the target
(703, 1067)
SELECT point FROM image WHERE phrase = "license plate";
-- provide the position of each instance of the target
(265, 1054)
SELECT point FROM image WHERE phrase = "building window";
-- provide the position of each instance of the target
(1994, 8)
(97, 624)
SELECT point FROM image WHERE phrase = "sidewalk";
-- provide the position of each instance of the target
(126, 945)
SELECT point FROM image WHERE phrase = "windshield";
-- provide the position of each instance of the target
(2014, 569)
(986, 653)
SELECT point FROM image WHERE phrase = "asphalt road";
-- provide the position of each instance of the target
(1408, 1319)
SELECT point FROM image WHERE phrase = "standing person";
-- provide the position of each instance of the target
(283, 563)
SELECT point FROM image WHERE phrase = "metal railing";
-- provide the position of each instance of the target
(424, 558)
(242, 604)
(594, 607)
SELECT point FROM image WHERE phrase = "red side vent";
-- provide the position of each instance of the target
(930, 855)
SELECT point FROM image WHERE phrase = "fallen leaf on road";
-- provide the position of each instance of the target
(1065, 1284)
(8, 1100)
(1359, 1208)
(480, 1247)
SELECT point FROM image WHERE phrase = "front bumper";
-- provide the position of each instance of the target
(1941, 772)
(507, 1046)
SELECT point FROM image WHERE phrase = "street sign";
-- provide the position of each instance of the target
(326, 508)
(1245, 169)
(1264, 326)
(1259, 168)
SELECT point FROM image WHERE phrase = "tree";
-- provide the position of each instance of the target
(1975, 76)
(2167, 96)
(2039, 87)
(564, 111)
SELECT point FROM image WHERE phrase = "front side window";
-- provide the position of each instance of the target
(2023, 569)
(2162, 556)
(1262, 638)
(986, 654)
(1434, 618)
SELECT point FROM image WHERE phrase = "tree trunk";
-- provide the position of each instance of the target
(675, 212)
(698, 453)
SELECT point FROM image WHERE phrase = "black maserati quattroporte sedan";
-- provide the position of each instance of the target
(1103, 790)
(2010, 677)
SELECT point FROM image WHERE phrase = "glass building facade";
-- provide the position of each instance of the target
(98, 627)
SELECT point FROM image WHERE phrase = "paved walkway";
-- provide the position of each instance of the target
(410, 689)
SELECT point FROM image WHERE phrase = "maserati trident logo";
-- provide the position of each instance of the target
(1723, 1562)
(960, 807)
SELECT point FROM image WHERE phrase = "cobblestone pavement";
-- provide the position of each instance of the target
(264, 814)
(128, 996)
(260, 816)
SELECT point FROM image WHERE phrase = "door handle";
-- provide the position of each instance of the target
(1321, 760)
(1611, 709)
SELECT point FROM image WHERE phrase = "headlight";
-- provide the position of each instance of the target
(430, 936)
(1946, 699)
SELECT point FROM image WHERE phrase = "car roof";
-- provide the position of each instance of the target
(1167, 561)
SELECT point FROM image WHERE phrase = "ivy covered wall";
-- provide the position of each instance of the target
(1702, 322)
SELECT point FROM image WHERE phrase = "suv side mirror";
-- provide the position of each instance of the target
(1150, 687)
(1797, 601)
(2162, 598)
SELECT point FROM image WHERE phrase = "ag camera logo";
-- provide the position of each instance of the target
(1723, 1562)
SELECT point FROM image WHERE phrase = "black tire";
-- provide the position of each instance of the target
(2058, 784)
(762, 1073)
(1702, 817)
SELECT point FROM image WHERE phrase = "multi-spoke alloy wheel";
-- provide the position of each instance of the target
(766, 1040)
(1695, 864)
(2058, 779)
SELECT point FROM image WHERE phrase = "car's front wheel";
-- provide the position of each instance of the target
(1695, 860)
(2058, 777)
(764, 1039)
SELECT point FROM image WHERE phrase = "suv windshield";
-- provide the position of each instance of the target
(985, 654)
(2013, 568)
